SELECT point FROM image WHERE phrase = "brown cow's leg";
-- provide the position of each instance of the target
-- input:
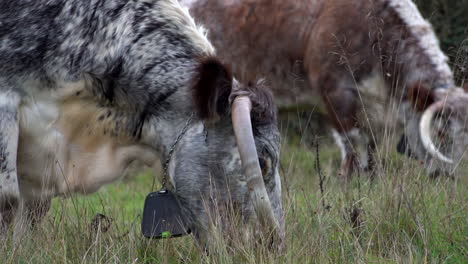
(342, 105)
(348, 157)
(355, 152)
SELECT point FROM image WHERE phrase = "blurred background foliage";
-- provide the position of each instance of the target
(450, 21)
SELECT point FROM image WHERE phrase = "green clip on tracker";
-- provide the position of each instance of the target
(162, 216)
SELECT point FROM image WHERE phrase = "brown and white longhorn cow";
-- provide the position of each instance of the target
(338, 51)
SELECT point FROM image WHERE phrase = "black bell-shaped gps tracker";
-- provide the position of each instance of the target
(162, 216)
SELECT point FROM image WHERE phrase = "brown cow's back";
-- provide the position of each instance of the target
(353, 56)
(291, 43)
(271, 31)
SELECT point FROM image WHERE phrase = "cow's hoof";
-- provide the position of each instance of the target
(441, 174)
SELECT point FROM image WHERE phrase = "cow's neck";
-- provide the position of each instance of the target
(162, 132)
(418, 50)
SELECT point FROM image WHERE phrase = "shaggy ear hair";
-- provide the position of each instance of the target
(420, 97)
(211, 89)
(263, 105)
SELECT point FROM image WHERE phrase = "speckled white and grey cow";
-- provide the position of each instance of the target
(86, 87)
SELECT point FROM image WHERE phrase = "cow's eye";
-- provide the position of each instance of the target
(264, 165)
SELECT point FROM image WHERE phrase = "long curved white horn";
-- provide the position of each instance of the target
(425, 131)
(242, 125)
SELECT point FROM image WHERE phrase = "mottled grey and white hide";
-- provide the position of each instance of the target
(86, 87)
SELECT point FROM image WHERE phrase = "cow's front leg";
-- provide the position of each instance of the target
(9, 133)
(356, 151)
(342, 105)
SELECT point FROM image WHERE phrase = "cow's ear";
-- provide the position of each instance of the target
(211, 89)
(420, 96)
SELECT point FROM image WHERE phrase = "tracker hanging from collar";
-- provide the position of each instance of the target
(162, 215)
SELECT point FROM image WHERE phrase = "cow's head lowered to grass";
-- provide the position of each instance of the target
(437, 130)
(229, 155)
(444, 130)
(119, 86)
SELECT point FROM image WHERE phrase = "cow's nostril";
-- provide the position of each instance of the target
(403, 147)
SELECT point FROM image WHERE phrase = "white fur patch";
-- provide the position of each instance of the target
(187, 3)
(360, 142)
(181, 16)
(9, 99)
(353, 140)
(373, 97)
(235, 159)
(423, 31)
(340, 143)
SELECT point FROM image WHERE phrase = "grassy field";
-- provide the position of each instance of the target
(401, 217)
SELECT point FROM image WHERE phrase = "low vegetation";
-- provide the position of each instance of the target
(401, 216)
